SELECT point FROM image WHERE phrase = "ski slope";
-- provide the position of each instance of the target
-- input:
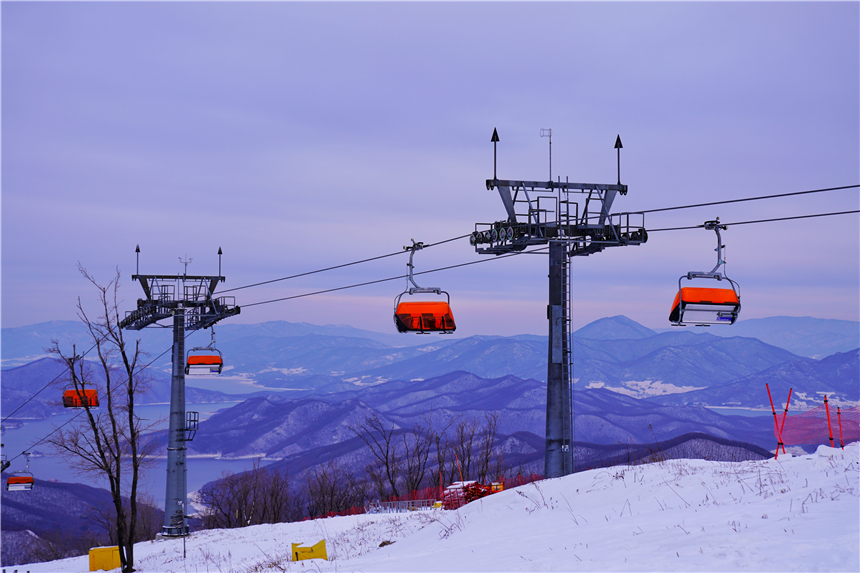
(797, 513)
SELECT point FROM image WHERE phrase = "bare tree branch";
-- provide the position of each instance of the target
(107, 443)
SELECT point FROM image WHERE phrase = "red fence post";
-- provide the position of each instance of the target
(782, 427)
(829, 429)
(776, 429)
(839, 418)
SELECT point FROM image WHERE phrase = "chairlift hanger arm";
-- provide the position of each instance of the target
(716, 226)
(409, 277)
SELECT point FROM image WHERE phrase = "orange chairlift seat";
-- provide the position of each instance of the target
(204, 360)
(81, 398)
(422, 316)
(21, 481)
(704, 306)
(206, 363)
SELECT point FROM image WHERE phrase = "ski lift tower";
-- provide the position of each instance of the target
(574, 219)
(190, 302)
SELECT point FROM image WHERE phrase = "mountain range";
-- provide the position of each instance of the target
(308, 431)
(677, 367)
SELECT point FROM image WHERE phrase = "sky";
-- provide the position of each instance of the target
(297, 136)
(795, 513)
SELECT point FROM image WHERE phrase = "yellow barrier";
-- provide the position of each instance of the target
(105, 558)
(313, 552)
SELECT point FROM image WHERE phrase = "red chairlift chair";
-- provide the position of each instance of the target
(21, 481)
(81, 398)
(422, 316)
(204, 360)
(704, 306)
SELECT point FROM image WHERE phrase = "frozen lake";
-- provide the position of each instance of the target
(45, 465)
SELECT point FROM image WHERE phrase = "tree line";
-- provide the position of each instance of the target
(429, 453)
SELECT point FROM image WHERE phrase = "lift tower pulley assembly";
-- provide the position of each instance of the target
(573, 219)
(191, 302)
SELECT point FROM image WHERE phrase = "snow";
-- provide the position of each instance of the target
(796, 513)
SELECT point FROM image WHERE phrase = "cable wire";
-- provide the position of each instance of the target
(57, 377)
(57, 429)
(390, 278)
(759, 221)
(749, 199)
(338, 266)
(464, 236)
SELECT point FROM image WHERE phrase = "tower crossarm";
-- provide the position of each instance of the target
(166, 293)
(553, 185)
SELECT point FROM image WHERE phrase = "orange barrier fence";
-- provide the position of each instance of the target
(452, 497)
(818, 426)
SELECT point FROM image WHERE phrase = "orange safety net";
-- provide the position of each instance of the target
(811, 427)
(80, 398)
(204, 360)
(424, 317)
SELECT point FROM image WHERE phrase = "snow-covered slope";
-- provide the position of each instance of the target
(797, 513)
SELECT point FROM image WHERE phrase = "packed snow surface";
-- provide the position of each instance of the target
(796, 513)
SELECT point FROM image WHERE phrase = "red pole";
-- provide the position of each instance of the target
(839, 417)
(775, 424)
(782, 427)
(829, 428)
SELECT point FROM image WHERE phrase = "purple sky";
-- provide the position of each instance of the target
(301, 135)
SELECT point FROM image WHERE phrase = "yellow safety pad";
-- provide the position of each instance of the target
(105, 558)
(313, 552)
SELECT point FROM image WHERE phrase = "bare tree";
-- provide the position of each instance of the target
(446, 468)
(382, 444)
(416, 450)
(149, 520)
(487, 446)
(254, 497)
(106, 443)
(377, 479)
(464, 446)
(332, 487)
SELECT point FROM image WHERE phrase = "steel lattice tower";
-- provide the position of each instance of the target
(549, 213)
(190, 301)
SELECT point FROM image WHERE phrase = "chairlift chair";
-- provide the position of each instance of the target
(21, 481)
(81, 398)
(704, 306)
(204, 359)
(422, 316)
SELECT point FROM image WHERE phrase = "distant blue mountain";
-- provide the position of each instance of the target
(614, 328)
(27, 343)
(24, 344)
(316, 427)
(804, 336)
(672, 363)
(613, 353)
(837, 377)
(46, 376)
